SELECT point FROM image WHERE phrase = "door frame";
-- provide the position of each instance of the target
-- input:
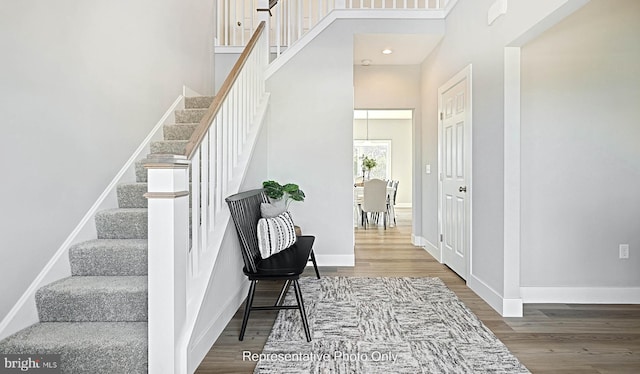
(465, 73)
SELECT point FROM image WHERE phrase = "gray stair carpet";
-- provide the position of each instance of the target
(97, 318)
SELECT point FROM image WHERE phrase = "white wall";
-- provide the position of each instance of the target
(310, 140)
(387, 86)
(311, 131)
(395, 87)
(581, 149)
(223, 64)
(469, 40)
(82, 84)
(399, 132)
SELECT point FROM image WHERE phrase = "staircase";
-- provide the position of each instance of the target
(97, 318)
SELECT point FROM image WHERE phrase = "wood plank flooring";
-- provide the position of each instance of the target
(550, 338)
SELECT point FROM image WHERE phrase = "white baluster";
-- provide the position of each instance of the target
(195, 212)
(278, 29)
(211, 138)
(204, 197)
(219, 158)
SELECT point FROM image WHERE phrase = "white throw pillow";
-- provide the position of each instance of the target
(275, 234)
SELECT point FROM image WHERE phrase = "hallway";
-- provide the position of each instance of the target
(550, 338)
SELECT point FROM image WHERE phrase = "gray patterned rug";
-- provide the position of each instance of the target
(383, 325)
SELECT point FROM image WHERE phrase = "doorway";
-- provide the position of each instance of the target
(454, 139)
(386, 137)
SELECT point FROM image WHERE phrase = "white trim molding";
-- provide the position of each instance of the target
(581, 295)
(336, 260)
(418, 241)
(431, 249)
(511, 181)
(506, 307)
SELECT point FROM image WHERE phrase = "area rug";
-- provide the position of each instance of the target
(382, 325)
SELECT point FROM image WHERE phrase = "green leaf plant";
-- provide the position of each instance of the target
(290, 192)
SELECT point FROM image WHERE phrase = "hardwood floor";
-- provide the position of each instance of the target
(550, 338)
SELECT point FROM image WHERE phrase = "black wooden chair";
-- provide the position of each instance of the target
(286, 265)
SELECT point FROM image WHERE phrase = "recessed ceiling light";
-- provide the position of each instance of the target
(365, 62)
(387, 51)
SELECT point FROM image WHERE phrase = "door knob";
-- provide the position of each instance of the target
(462, 189)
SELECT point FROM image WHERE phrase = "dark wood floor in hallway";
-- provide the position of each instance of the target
(550, 338)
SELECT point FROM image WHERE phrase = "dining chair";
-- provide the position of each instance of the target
(391, 201)
(375, 200)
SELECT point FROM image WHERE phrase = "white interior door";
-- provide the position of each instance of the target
(455, 168)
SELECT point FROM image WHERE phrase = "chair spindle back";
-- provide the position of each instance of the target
(245, 212)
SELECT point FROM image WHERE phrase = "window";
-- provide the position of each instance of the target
(380, 151)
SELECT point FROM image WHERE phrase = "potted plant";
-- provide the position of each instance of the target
(289, 192)
(368, 163)
(285, 194)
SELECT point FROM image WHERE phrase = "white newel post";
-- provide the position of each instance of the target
(168, 232)
(264, 14)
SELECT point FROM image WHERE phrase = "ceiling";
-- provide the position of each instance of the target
(408, 49)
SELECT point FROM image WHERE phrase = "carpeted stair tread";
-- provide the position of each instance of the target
(93, 299)
(122, 223)
(131, 195)
(195, 102)
(174, 147)
(189, 115)
(179, 131)
(109, 257)
(86, 347)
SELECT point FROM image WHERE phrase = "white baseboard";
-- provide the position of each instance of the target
(581, 295)
(433, 250)
(201, 346)
(512, 307)
(506, 307)
(417, 240)
(336, 260)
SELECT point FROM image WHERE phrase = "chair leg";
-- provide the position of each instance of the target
(283, 292)
(303, 313)
(315, 265)
(247, 309)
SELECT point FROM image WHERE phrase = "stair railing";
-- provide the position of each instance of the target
(187, 213)
(293, 18)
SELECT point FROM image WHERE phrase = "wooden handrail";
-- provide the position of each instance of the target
(200, 132)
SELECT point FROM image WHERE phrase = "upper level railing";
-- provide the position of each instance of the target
(291, 19)
(187, 213)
